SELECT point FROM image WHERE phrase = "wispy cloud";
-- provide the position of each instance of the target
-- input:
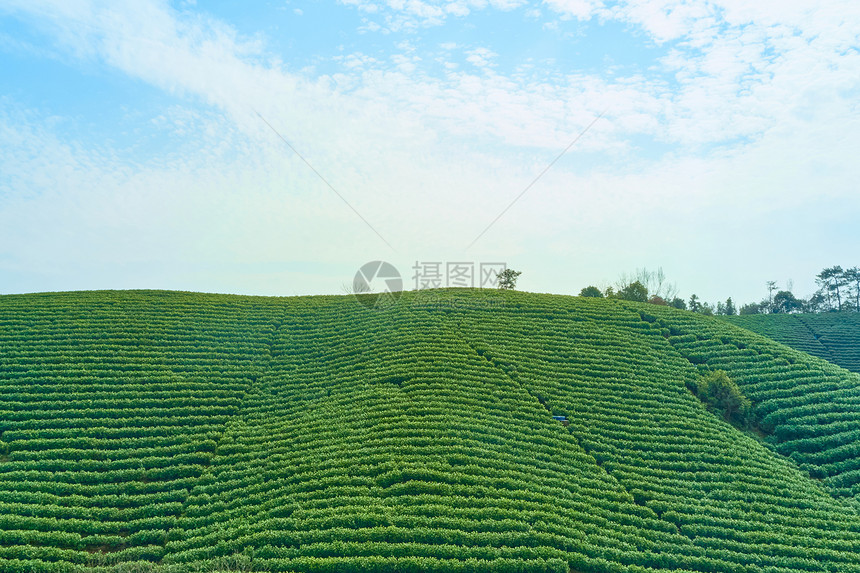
(751, 109)
(411, 15)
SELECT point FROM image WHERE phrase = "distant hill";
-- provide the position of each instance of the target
(456, 430)
(834, 336)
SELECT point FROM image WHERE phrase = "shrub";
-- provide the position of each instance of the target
(591, 292)
(722, 394)
(635, 291)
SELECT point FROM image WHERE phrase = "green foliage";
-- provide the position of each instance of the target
(634, 291)
(508, 279)
(785, 302)
(695, 304)
(729, 308)
(655, 282)
(839, 290)
(852, 281)
(591, 291)
(833, 281)
(721, 393)
(752, 308)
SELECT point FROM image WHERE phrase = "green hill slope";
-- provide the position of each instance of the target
(832, 336)
(182, 431)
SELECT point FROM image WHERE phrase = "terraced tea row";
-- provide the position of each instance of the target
(184, 432)
(631, 410)
(111, 406)
(810, 407)
(418, 453)
(832, 336)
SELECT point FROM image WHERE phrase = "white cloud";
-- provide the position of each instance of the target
(580, 9)
(667, 20)
(481, 57)
(458, 8)
(415, 14)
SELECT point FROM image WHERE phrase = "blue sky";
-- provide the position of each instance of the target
(132, 155)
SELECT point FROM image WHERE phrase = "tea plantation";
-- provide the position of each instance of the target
(833, 336)
(166, 431)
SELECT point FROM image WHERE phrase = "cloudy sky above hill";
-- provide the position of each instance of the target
(136, 152)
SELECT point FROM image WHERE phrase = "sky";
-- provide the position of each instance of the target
(274, 148)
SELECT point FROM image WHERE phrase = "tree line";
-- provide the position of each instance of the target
(838, 291)
(652, 286)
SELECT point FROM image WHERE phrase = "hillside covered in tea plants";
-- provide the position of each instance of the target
(456, 430)
(834, 336)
